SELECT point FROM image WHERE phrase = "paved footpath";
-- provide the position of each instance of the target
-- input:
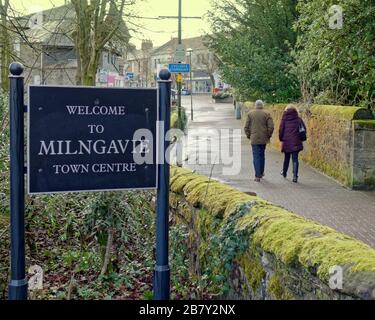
(316, 196)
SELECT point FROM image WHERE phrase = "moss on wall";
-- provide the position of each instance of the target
(337, 112)
(277, 290)
(365, 124)
(337, 171)
(174, 117)
(298, 241)
(253, 269)
(231, 224)
(341, 112)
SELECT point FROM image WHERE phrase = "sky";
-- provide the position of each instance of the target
(159, 31)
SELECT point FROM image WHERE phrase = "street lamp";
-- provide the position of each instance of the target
(190, 51)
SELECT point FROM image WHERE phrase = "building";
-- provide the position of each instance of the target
(143, 65)
(203, 63)
(46, 48)
(138, 71)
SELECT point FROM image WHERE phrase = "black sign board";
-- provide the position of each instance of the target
(91, 139)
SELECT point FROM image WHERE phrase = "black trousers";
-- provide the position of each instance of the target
(294, 156)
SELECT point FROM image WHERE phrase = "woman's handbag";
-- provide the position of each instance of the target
(302, 132)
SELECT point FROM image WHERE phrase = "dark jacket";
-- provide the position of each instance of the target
(259, 127)
(289, 131)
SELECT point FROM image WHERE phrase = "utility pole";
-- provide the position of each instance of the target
(179, 83)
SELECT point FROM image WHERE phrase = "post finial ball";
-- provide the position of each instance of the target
(164, 74)
(16, 69)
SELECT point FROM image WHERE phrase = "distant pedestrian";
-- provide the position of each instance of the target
(259, 128)
(292, 133)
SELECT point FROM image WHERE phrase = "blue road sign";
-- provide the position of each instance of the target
(179, 67)
(83, 139)
(130, 75)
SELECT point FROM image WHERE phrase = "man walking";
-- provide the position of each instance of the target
(259, 129)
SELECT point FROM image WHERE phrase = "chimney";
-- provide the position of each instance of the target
(146, 45)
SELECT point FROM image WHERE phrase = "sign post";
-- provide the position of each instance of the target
(89, 139)
(18, 282)
(162, 271)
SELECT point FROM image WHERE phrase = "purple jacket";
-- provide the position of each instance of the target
(289, 131)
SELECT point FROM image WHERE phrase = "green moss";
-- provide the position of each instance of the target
(174, 118)
(341, 112)
(338, 112)
(364, 124)
(296, 240)
(253, 270)
(228, 215)
(338, 172)
(217, 198)
(277, 290)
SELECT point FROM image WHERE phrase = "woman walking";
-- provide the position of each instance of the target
(292, 133)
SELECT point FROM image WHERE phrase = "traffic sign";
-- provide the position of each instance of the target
(179, 68)
(180, 53)
(179, 77)
(130, 75)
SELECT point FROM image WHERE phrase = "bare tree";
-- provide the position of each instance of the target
(99, 22)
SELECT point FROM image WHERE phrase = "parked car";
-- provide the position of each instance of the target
(185, 92)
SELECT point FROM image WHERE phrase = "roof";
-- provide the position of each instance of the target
(56, 26)
(53, 33)
(196, 43)
(137, 54)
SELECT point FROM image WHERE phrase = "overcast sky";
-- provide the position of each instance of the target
(159, 31)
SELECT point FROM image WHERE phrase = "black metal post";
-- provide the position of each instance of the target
(162, 271)
(18, 282)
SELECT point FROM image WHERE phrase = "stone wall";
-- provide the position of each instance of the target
(248, 248)
(364, 153)
(337, 145)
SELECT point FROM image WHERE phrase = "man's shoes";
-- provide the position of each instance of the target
(283, 174)
(257, 179)
(263, 175)
(295, 179)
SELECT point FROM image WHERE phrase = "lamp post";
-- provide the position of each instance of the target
(190, 51)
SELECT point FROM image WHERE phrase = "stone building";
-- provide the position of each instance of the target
(46, 48)
(138, 71)
(144, 65)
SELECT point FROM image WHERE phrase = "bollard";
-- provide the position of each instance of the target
(238, 111)
(162, 270)
(18, 281)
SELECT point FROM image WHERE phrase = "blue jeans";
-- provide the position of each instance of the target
(294, 156)
(259, 159)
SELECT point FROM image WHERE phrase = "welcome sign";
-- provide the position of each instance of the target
(91, 139)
